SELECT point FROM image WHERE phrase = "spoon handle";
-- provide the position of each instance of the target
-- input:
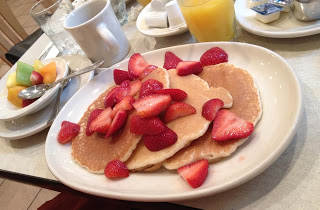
(82, 71)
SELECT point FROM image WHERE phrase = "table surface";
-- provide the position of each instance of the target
(293, 181)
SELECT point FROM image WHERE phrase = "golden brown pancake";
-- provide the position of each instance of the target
(246, 104)
(187, 128)
(94, 152)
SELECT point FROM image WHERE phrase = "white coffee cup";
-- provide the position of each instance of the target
(96, 29)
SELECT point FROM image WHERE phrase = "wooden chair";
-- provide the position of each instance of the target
(11, 31)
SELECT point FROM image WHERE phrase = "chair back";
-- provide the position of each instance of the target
(11, 31)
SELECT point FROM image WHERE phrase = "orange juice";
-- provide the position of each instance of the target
(144, 2)
(209, 20)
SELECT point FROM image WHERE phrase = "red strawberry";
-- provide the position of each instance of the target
(93, 115)
(102, 122)
(68, 131)
(148, 125)
(211, 107)
(227, 126)
(149, 87)
(147, 71)
(120, 93)
(109, 100)
(160, 141)
(119, 76)
(117, 122)
(189, 67)
(116, 169)
(136, 65)
(36, 78)
(214, 56)
(171, 61)
(176, 94)
(151, 105)
(135, 87)
(177, 110)
(195, 173)
(27, 102)
(125, 104)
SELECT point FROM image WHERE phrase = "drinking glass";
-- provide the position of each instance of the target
(50, 15)
(209, 20)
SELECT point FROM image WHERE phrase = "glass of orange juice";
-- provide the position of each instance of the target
(144, 2)
(209, 20)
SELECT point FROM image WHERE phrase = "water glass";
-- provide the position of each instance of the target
(209, 20)
(50, 15)
(119, 8)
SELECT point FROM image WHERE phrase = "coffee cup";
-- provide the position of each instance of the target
(96, 29)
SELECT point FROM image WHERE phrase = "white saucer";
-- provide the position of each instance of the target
(33, 123)
(287, 26)
(156, 32)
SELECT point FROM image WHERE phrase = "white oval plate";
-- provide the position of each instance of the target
(9, 112)
(156, 32)
(33, 123)
(282, 105)
(287, 26)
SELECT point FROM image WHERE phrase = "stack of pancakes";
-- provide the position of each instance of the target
(234, 86)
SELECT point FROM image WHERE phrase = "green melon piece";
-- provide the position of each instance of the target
(23, 74)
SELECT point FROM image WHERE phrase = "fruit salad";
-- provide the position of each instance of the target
(28, 75)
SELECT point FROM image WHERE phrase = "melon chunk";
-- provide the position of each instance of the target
(49, 73)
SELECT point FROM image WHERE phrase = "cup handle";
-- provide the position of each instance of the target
(108, 38)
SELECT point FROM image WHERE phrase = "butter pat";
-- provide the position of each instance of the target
(267, 12)
(157, 19)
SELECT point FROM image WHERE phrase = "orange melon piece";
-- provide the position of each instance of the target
(13, 95)
(49, 73)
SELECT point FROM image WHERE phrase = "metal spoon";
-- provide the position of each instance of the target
(38, 90)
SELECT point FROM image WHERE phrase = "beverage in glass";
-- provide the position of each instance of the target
(209, 20)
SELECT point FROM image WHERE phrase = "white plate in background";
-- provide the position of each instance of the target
(287, 26)
(282, 107)
(33, 123)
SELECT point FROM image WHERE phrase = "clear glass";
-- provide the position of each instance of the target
(209, 20)
(144, 2)
(50, 15)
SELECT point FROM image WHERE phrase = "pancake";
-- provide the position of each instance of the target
(246, 104)
(187, 128)
(94, 152)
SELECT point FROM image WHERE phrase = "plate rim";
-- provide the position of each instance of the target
(270, 34)
(207, 191)
(180, 30)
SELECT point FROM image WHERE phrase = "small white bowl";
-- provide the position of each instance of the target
(8, 111)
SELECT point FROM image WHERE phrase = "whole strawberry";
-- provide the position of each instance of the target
(214, 56)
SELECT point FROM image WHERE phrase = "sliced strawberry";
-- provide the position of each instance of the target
(93, 115)
(214, 56)
(27, 102)
(102, 122)
(116, 169)
(189, 67)
(120, 93)
(125, 104)
(211, 107)
(147, 71)
(151, 105)
(119, 76)
(176, 94)
(136, 65)
(135, 87)
(227, 126)
(36, 78)
(149, 87)
(67, 131)
(148, 125)
(171, 60)
(160, 141)
(195, 173)
(117, 122)
(177, 110)
(109, 100)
